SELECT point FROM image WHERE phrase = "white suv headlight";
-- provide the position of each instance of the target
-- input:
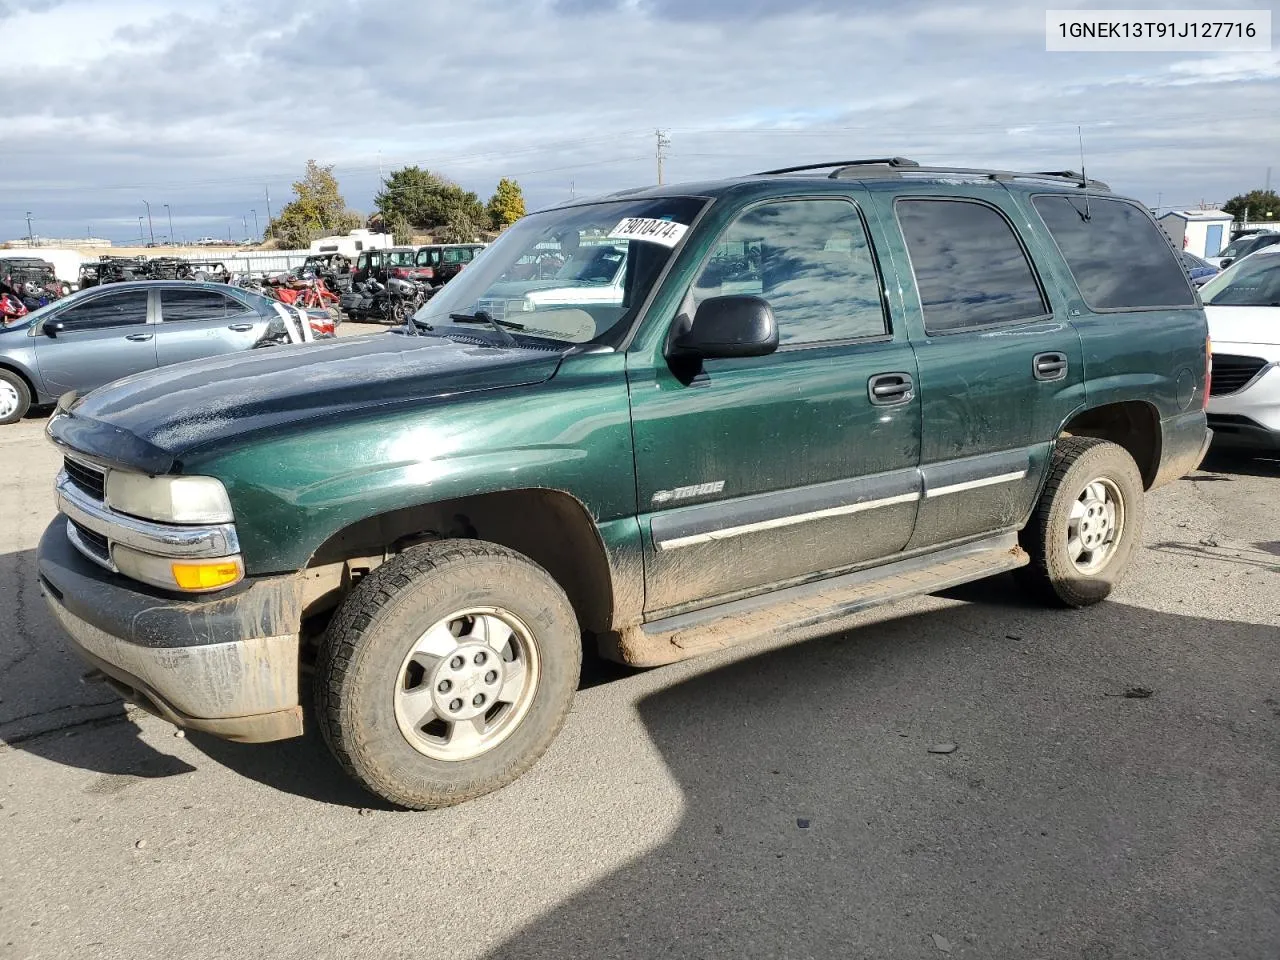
(169, 499)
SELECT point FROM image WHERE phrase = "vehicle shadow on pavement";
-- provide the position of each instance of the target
(305, 767)
(1229, 462)
(1110, 794)
(46, 706)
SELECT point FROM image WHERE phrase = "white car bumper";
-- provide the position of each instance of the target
(1244, 399)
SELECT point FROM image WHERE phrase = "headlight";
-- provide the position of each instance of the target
(192, 576)
(169, 499)
(522, 306)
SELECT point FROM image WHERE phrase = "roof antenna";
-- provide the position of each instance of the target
(1084, 180)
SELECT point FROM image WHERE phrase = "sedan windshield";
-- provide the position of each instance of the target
(1251, 282)
(572, 275)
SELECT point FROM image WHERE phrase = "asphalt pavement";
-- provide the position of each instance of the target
(1112, 792)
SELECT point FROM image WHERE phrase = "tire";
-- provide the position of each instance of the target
(15, 397)
(1102, 542)
(373, 690)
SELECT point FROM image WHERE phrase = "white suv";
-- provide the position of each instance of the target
(1243, 307)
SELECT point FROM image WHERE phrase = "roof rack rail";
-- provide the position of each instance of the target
(881, 161)
(899, 166)
(1063, 177)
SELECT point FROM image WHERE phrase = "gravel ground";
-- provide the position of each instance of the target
(778, 800)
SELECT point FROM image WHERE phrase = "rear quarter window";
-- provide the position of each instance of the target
(1119, 257)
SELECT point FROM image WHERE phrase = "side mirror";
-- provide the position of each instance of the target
(727, 327)
(54, 327)
(1224, 263)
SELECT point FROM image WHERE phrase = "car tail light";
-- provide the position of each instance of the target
(1208, 371)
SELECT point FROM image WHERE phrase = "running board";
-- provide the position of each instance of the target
(728, 624)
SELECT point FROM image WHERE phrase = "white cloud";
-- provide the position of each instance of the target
(203, 105)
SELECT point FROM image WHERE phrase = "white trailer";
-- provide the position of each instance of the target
(1200, 232)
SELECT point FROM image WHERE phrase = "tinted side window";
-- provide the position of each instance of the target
(970, 269)
(810, 259)
(196, 305)
(114, 310)
(1120, 259)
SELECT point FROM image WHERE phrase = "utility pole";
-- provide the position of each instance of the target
(1158, 197)
(256, 235)
(142, 237)
(1268, 186)
(172, 239)
(245, 222)
(31, 240)
(571, 193)
(150, 227)
(664, 141)
(268, 190)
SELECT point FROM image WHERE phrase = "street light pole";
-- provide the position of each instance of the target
(172, 239)
(257, 236)
(31, 240)
(142, 237)
(150, 227)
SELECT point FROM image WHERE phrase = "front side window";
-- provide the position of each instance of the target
(970, 268)
(810, 259)
(1120, 259)
(114, 310)
(400, 258)
(575, 274)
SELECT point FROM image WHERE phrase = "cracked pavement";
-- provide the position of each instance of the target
(778, 800)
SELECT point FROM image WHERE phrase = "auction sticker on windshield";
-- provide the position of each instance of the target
(665, 232)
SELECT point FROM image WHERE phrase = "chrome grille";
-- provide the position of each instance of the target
(90, 542)
(86, 478)
(1232, 373)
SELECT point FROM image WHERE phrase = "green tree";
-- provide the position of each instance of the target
(401, 230)
(317, 209)
(1260, 205)
(429, 202)
(506, 206)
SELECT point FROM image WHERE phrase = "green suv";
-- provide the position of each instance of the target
(818, 389)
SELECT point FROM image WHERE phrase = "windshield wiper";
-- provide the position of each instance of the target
(483, 316)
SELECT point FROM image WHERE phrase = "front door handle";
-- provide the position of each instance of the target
(1049, 366)
(241, 327)
(140, 337)
(886, 389)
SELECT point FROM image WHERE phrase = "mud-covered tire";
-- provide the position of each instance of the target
(361, 660)
(15, 397)
(1053, 576)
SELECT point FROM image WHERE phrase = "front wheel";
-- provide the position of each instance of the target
(15, 397)
(447, 672)
(1086, 525)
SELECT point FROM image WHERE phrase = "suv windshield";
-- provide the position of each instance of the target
(1251, 282)
(573, 275)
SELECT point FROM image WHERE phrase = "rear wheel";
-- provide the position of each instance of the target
(447, 672)
(1087, 524)
(15, 397)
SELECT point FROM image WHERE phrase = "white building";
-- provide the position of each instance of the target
(353, 243)
(1201, 232)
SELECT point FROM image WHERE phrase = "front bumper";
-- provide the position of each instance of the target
(1250, 417)
(225, 665)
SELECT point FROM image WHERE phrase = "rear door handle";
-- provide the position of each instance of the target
(886, 389)
(241, 327)
(140, 337)
(1049, 366)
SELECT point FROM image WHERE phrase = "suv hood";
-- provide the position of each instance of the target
(1260, 325)
(150, 420)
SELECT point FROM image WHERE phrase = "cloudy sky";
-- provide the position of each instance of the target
(204, 105)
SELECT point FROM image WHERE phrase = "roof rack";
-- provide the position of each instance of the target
(898, 166)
